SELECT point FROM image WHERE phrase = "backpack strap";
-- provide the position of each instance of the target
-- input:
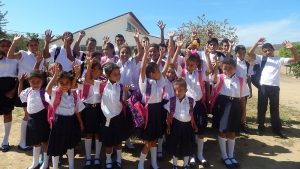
(202, 88)
(191, 111)
(215, 91)
(52, 109)
(263, 63)
(75, 97)
(248, 66)
(83, 64)
(148, 94)
(42, 95)
(83, 94)
(172, 110)
(102, 86)
(57, 51)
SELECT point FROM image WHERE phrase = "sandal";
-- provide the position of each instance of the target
(5, 148)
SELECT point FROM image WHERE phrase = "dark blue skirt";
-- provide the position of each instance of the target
(38, 128)
(200, 117)
(154, 128)
(181, 141)
(18, 102)
(116, 132)
(92, 118)
(7, 104)
(65, 134)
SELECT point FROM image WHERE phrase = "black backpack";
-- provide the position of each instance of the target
(257, 69)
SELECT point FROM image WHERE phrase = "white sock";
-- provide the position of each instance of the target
(108, 160)
(46, 161)
(7, 127)
(55, 160)
(70, 153)
(230, 144)
(88, 149)
(200, 143)
(185, 161)
(119, 156)
(159, 146)
(141, 161)
(98, 149)
(175, 159)
(222, 144)
(153, 151)
(35, 157)
(23, 134)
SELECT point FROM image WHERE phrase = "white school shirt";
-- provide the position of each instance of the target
(62, 58)
(105, 59)
(231, 87)
(271, 72)
(66, 106)
(136, 76)
(93, 96)
(156, 89)
(110, 101)
(27, 62)
(169, 90)
(182, 109)
(33, 100)
(241, 71)
(193, 84)
(127, 70)
(204, 66)
(8, 67)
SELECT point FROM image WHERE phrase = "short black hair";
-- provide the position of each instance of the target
(213, 40)
(229, 61)
(119, 36)
(66, 75)
(90, 39)
(150, 68)
(154, 45)
(180, 82)
(37, 73)
(239, 47)
(111, 46)
(32, 39)
(267, 45)
(225, 40)
(109, 67)
(194, 57)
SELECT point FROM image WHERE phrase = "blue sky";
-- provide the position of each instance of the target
(277, 20)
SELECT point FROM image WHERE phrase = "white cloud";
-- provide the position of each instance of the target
(274, 31)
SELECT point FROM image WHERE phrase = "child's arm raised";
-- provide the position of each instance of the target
(171, 44)
(161, 26)
(251, 52)
(53, 80)
(139, 55)
(39, 59)
(88, 78)
(76, 48)
(179, 43)
(21, 82)
(231, 45)
(295, 54)
(144, 61)
(215, 72)
(48, 38)
(11, 52)
(166, 67)
(209, 65)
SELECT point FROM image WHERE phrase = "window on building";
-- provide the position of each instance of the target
(130, 27)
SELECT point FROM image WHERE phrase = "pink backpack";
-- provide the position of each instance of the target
(173, 107)
(216, 90)
(57, 99)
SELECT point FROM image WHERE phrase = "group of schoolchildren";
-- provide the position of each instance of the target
(157, 89)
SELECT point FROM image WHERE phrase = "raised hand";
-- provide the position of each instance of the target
(261, 41)
(22, 77)
(194, 33)
(105, 40)
(146, 46)
(81, 34)
(287, 44)
(48, 36)
(171, 34)
(17, 37)
(38, 56)
(161, 25)
(231, 43)
(210, 33)
(136, 34)
(179, 41)
(206, 50)
(126, 88)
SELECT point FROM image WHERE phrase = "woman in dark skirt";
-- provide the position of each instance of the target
(37, 127)
(228, 118)
(92, 116)
(67, 123)
(8, 90)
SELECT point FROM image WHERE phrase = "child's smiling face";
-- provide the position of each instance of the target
(228, 70)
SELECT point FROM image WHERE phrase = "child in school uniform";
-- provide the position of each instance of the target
(67, 123)
(180, 133)
(196, 90)
(109, 54)
(151, 84)
(269, 84)
(8, 76)
(26, 62)
(92, 114)
(38, 129)
(115, 129)
(230, 89)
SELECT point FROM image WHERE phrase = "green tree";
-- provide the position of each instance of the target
(283, 52)
(220, 30)
(3, 21)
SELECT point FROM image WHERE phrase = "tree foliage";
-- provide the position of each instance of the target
(3, 21)
(283, 52)
(220, 30)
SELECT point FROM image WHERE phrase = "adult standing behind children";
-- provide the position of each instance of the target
(269, 83)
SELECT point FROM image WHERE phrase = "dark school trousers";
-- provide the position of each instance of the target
(266, 93)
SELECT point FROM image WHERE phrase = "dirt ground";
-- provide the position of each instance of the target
(252, 151)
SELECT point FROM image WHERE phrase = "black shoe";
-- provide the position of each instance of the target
(160, 156)
(118, 165)
(186, 167)
(88, 166)
(27, 148)
(244, 128)
(228, 165)
(5, 148)
(152, 167)
(204, 163)
(261, 130)
(174, 167)
(280, 134)
(235, 163)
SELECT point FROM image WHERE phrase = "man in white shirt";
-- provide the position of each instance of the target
(269, 83)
